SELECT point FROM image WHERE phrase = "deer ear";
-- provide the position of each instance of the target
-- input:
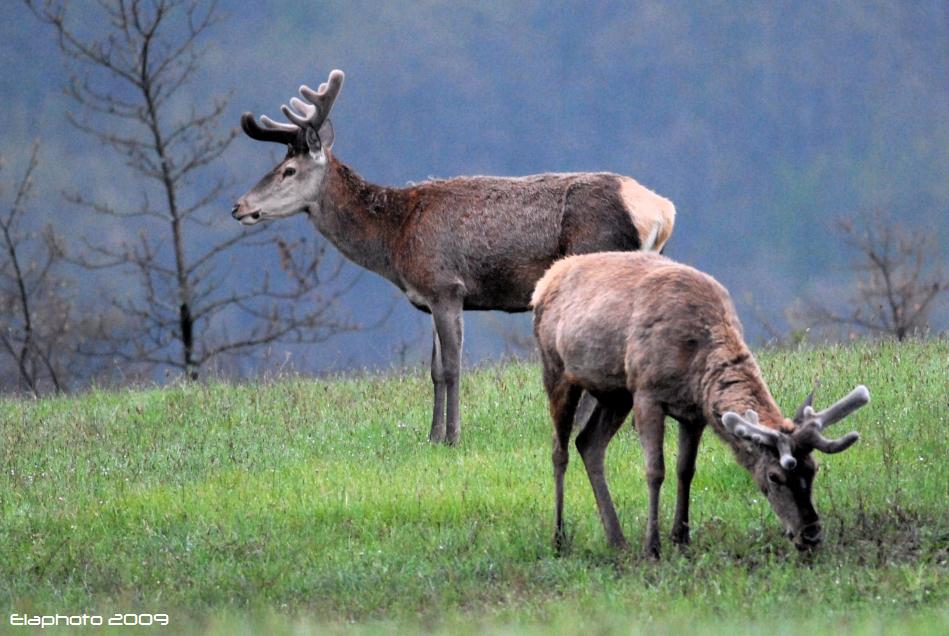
(326, 134)
(319, 142)
(313, 141)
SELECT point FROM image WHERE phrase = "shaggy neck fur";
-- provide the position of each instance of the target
(358, 217)
(733, 382)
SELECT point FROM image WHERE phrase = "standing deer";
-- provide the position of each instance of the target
(641, 332)
(448, 244)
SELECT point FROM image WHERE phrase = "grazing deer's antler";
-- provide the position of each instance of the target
(748, 428)
(857, 398)
(799, 414)
(809, 435)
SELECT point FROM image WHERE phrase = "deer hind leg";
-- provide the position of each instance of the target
(449, 332)
(650, 424)
(690, 434)
(592, 442)
(437, 434)
(562, 400)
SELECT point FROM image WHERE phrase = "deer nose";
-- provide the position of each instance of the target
(809, 538)
(235, 210)
(812, 533)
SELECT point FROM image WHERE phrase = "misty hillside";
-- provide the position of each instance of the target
(762, 122)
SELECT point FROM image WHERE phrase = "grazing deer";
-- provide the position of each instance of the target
(448, 244)
(639, 331)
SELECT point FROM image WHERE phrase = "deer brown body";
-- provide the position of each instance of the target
(453, 244)
(640, 332)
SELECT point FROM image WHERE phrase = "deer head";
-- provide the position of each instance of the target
(293, 184)
(784, 468)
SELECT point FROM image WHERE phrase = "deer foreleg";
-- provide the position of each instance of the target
(448, 327)
(689, 437)
(650, 423)
(437, 434)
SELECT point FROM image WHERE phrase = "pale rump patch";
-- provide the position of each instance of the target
(652, 215)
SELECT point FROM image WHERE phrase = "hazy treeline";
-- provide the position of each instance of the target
(765, 124)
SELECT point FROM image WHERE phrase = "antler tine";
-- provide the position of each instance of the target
(854, 400)
(280, 133)
(810, 437)
(289, 113)
(276, 125)
(299, 112)
(324, 97)
(748, 428)
(307, 110)
(808, 401)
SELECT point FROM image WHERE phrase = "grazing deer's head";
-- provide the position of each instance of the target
(784, 468)
(294, 183)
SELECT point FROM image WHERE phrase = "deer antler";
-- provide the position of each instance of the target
(809, 435)
(304, 115)
(799, 414)
(857, 398)
(748, 428)
(313, 114)
(271, 131)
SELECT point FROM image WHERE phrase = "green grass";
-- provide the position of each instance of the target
(300, 506)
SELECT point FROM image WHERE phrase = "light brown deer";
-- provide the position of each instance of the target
(452, 244)
(639, 331)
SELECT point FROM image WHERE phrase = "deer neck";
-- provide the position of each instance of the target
(733, 382)
(358, 217)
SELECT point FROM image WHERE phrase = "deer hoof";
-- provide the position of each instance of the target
(651, 551)
(561, 543)
(619, 544)
(681, 536)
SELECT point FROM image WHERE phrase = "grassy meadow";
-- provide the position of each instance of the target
(318, 506)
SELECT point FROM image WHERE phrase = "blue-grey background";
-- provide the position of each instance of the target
(763, 122)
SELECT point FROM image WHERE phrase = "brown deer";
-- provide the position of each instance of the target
(640, 332)
(451, 244)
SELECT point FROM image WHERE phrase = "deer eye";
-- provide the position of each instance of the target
(289, 172)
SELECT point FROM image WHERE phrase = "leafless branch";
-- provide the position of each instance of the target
(32, 310)
(187, 307)
(899, 279)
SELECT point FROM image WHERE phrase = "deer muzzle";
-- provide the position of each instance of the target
(809, 537)
(247, 217)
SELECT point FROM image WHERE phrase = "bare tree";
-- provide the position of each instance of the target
(899, 279)
(129, 79)
(33, 307)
